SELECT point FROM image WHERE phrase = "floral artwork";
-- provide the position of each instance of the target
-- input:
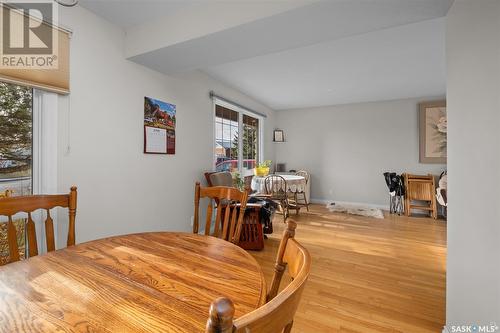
(433, 132)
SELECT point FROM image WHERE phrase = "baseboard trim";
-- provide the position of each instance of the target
(325, 202)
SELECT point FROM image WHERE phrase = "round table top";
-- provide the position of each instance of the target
(150, 282)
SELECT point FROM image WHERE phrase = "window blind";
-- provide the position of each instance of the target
(49, 79)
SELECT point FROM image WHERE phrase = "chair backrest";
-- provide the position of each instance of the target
(223, 178)
(304, 174)
(275, 185)
(229, 204)
(280, 309)
(10, 206)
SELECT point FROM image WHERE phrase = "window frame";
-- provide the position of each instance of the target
(260, 136)
(44, 152)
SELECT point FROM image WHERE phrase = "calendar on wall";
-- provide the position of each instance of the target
(159, 127)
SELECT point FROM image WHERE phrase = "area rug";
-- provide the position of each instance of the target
(355, 210)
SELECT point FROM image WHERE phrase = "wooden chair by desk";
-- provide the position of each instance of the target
(10, 206)
(277, 314)
(421, 189)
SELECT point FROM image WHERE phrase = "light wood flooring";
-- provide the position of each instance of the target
(368, 275)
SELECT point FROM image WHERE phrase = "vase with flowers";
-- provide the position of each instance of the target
(262, 169)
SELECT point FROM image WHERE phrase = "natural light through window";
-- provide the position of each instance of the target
(235, 152)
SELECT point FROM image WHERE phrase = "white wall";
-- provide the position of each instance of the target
(120, 189)
(473, 61)
(348, 147)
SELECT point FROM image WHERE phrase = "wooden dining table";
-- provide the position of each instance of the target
(149, 282)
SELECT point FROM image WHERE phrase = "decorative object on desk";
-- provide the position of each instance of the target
(396, 187)
(433, 132)
(278, 136)
(355, 210)
(262, 169)
(159, 127)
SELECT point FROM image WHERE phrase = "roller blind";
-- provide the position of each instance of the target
(39, 70)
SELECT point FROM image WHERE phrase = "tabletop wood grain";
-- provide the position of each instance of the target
(151, 282)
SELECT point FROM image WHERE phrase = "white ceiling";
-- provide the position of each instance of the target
(312, 54)
(402, 62)
(130, 13)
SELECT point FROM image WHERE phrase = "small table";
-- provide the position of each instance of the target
(294, 183)
(151, 282)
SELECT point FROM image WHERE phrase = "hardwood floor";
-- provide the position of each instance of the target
(368, 275)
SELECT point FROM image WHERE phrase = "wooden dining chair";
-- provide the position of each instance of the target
(278, 313)
(302, 201)
(10, 206)
(276, 188)
(229, 204)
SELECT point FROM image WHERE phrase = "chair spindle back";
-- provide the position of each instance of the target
(276, 186)
(277, 314)
(304, 174)
(9, 206)
(229, 204)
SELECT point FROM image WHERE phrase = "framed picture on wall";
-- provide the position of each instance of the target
(159, 126)
(278, 136)
(433, 132)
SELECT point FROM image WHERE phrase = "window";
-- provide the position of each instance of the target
(237, 139)
(16, 155)
(28, 154)
(250, 142)
(16, 133)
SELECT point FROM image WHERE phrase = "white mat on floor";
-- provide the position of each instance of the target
(356, 210)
